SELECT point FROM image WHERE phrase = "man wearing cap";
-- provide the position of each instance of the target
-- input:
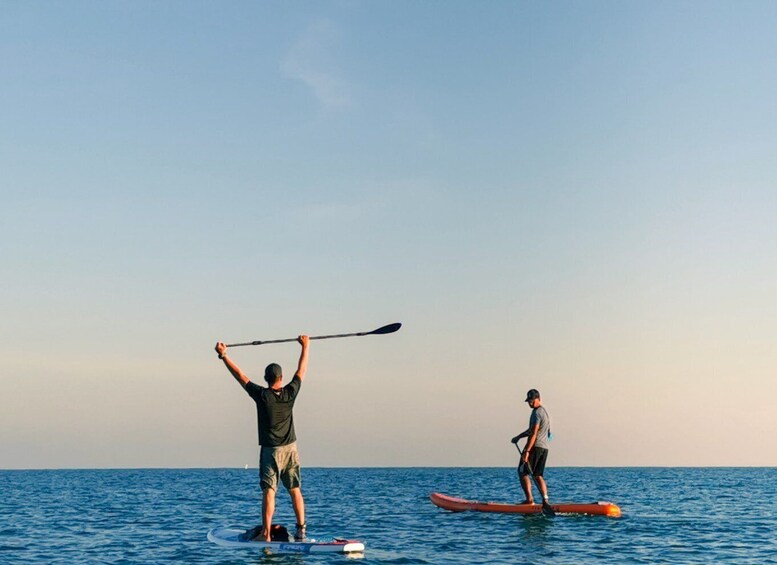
(278, 457)
(535, 453)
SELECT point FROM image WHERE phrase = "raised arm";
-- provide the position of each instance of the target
(302, 366)
(239, 375)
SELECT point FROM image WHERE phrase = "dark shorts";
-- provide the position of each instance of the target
(537, 458)
(279, 463)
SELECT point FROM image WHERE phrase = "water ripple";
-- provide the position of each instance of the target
(162, 515)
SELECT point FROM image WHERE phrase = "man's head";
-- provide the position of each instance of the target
(533, 398)
(273, 373)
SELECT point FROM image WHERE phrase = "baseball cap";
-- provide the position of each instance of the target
(532, 394)
(272, 372)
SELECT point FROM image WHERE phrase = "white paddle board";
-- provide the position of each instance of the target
(229, 536)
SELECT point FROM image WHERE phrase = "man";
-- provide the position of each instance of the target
(278, 457)
(535, 453)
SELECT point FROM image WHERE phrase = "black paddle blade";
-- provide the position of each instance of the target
(390, 329)
(547, 509)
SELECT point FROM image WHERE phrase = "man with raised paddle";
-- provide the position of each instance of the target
(535, 453)
(278, 457)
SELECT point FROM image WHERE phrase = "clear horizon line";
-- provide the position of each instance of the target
(254, 468)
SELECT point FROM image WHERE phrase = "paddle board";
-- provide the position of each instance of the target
(229, 537)
(461, 505)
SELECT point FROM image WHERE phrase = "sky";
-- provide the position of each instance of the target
(578, 197)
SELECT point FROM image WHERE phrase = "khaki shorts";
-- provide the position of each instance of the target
(275, 462)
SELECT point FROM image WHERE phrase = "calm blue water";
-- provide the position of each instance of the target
(159, 515)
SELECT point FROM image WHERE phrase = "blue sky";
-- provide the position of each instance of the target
(575, 197)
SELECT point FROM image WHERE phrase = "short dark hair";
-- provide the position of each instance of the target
(272, 373)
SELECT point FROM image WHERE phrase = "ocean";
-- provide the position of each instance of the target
(670, 515)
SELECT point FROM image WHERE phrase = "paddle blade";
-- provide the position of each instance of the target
(390, 329)
(547, 509)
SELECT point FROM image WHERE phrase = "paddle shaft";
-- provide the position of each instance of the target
(391, 328)
(546, 507)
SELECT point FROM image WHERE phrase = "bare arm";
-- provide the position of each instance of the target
(239, 375)
(520, 436)
(302, 366)
(532, 435)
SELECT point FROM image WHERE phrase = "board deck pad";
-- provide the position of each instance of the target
(228, 536)
(461, 505)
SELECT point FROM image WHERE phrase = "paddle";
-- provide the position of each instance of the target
(389, 329)
(547, 509)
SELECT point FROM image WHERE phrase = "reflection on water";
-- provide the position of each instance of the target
(533, 528)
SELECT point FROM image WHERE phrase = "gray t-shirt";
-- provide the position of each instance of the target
(540, 416)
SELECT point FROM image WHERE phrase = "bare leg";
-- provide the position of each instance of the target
(526, 486)
(542, 486)
(268, 509)
(298, 503)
